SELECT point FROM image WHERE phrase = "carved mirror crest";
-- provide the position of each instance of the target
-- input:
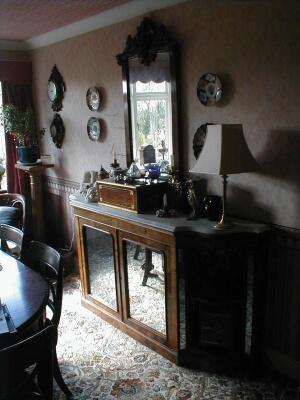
(149, 66)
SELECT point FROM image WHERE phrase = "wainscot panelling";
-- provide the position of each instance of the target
(57, 211)
(282, 344)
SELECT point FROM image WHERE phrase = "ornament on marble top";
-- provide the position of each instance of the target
(152, 171)
(147, 154)
(89, 179)
(92, 194)
(192, 200)
(164, 164)
(163, 149)
(103, 174)
(115, 169)
(165, 211)
(133, 171)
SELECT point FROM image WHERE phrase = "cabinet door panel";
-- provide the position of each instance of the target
(146, 285)
(149, 295)
(99, 254)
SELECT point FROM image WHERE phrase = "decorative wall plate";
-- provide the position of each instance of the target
(93, 99)
(199, 139)
(94, 128)
(209, 89)
(57, 130)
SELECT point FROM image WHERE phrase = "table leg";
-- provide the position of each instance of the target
(147, 267)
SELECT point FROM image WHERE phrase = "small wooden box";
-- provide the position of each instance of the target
(138, 197)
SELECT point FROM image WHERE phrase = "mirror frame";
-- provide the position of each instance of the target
(149, 40)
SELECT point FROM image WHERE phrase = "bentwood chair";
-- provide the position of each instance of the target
(24, 362)
(47, 261)
(13, 210)
(11, 241)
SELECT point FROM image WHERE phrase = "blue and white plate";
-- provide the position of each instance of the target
(94, 128)
(93, 99)
(209, 89)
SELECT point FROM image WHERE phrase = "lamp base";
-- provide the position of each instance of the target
(223, 225)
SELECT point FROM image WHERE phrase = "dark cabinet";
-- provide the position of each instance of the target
(224, 286)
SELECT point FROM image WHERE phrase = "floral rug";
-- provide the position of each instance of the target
(100, 362)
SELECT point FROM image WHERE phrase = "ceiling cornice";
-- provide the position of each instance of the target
(117, 14)
(15, 45)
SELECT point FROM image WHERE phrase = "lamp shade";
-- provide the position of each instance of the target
(225, 151)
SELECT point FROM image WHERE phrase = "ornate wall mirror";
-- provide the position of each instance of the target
(149, 66)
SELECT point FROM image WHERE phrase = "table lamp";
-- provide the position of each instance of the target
(225, 152)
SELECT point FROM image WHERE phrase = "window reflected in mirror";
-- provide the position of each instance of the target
(151, 108)
(101, 266)
(146, 285)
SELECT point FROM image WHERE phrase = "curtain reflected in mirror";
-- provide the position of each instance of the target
(146, 285)
(151, 108)
(101, 266)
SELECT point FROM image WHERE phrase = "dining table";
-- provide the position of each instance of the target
(24, 295)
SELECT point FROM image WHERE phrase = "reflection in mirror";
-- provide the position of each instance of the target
(149, 66)
(146, 285)
(151, 108)
(101, 266)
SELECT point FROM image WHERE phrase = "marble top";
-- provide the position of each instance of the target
(170, 224)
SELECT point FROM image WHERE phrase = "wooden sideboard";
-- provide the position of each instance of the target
(186, 290)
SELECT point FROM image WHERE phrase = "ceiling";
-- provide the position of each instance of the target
(29, 24)
(24, 19)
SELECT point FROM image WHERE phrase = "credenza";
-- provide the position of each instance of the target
(190, 292)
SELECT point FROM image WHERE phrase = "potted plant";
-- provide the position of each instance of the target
(22, 126)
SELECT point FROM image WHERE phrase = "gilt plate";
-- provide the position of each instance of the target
(93, 99)
(94, 128)
(209, 89)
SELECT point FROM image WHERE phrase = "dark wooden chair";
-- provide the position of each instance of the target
(11, 240)
(24, 362)
(13, 210)
(47, 261)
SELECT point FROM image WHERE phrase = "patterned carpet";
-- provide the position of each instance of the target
(99, 362)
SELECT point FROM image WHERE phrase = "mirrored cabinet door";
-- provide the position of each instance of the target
(149, 287)
(129, 278)
(101, 273)
(146, 285)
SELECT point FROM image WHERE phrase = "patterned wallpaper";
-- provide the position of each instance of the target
(253, 46)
